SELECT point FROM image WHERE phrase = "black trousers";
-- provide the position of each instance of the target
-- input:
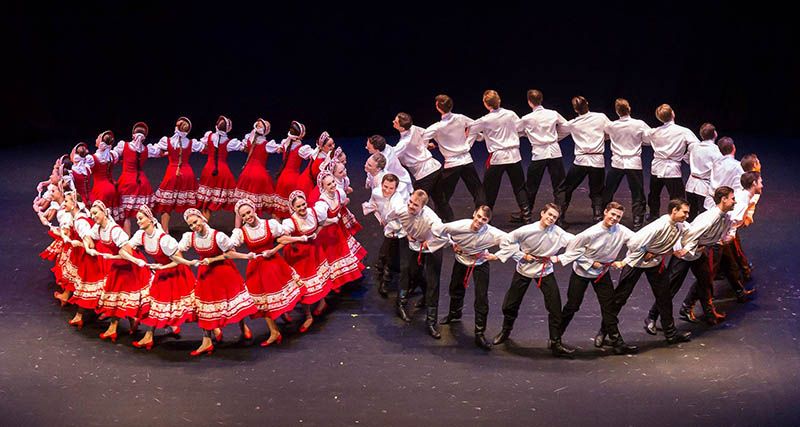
(429, 266)
(696, 203)
(678, 269)
(552, 302)
(448, 182)
(635, 182)
(659, 284)
(675, 189)
(390, 258)
(738, 253)
(480, 276)
(493, 178)
(604, 289)
(703, 287)
(433, 186)
(574, 178)
(555, 167)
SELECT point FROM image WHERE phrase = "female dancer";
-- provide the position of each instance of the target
(81, 174)
(171, 295)
(127, 277)
(342, 251)
(217, 185)
(275, 286)
(133, 186)
(60, 250)
(83, 268)
(178, 189)
(289, 177)
(101, 163)
(255, 184)
(220, 294)
(343, 184)
(322, 156)
(307, 257)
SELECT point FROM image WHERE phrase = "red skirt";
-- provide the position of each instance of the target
(221, 297)
(351, 224)
(308, 259)
(60, 268)
(81, 182)
(216, 192)
(51, 252)
(271, 283)
(171, 300)
(126, 289)
(87, 274)
(177, 192)
(133, 194)
(345, 266)
(256, 185)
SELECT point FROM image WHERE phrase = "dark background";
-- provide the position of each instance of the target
(78, 69)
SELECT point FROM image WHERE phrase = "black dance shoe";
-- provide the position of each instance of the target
(650, 325)
(481, 342)
(433, 331)
(450, 318)
(501, 337)
(679, 337)
(687, 314)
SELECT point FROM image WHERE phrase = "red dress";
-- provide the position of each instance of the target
(271, 281)
(178, 188)
(86, 272)
(82, 185)
(308, 259)
(171, 300)
(255, 184)
(289, 180)
(342, 251)
(126, 287)
(220, 295)
(104, 188)
(217, 185)
(134, 187)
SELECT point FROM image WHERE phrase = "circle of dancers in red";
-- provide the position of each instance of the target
(296, 235)
(307, 249)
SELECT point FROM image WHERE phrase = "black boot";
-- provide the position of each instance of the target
(480, 329)
(619, 346)
(675, 337)
(710, 313)
(518, 217)
(527, 216)
(743, 294)
(385, 279)
(597, 214)
(650, 325)
(452, 317)
(559, 350)
(600, 339)
(400, 307)
(687, 314)
(638, 223)
(430, 323)
(502, 336)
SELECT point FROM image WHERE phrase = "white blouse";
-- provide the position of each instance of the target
(257, 231)
(450, 136)
(151, 241)
(204, 241)
(233, 144)
(114, 234)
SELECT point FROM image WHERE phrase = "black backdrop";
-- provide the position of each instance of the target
(79, 69)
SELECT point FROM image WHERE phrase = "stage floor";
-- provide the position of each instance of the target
(361, 365)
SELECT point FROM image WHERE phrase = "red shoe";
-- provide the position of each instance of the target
(148, 346)
(208, 350)
(320, 310)
(78, 323)
(113, 336)
(247, 334)
(267, 343)
(304, 328)
(218, 336)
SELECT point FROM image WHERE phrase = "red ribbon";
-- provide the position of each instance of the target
(711, 264)
(488, 161)
(544, 260)
(661, 268)
(606, 266)
(419, 256)
(470, 269)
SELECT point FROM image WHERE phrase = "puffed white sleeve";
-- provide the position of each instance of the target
(272, 146)
(275, 228)
(94, 232)
(199, 145)
(429, 133)
(237, 236)
(83, 228)
(137, 238)
(119, 148)
(224, 242)
(88, 161)
(288, 226)
(236, 145)
(575, 250)
(307, 152)
(119, 236)
(158, 149)
(169, 245)
(186, 242)
(509, 247)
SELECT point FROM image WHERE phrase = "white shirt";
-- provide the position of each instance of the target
(168, 244)
(328, 202)
(451, 138)
(315, 217)
(114, 234)
(473, 244)
(727, 171)
(204, 241)
(381, 206)
(596, 243)
(536, 240)
(271, 147)
(134, 145)
(81, 224)
(393, 165)
(413, 153)
(658, 237)
(105, 156)
(669, 142)
(706, 229)
(419, 228)
(375, 181)
(176, 141)
(627, 135)
(702, 156)
(741, 208)
(541, 127)
(233, 144)
(499, 129)
(257, 231)
(588, 133)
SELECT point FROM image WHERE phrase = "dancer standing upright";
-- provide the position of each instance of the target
(178, 189)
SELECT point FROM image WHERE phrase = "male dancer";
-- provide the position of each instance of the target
(702, 156)
(534, 247)
(499, 129)
(377, 144)
(588, 132)
(375, 167)
(592, 253)
(413, 153)
(382, 201)
(471, 240)
(627, 135)
(450, 135)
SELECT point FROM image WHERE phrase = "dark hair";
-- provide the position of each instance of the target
(535, 96)
(580, 105)
(676, 203)
(551, 206)
(404, 120)
(726, 145)
(378, 142)
(707, 131)
(622, 107)
(296, 128)
(748, 179)
(615, 205)
(391, 178)
(486, 210)
(749, 162)
(445, 103)
(380, 160)
(721, 192)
